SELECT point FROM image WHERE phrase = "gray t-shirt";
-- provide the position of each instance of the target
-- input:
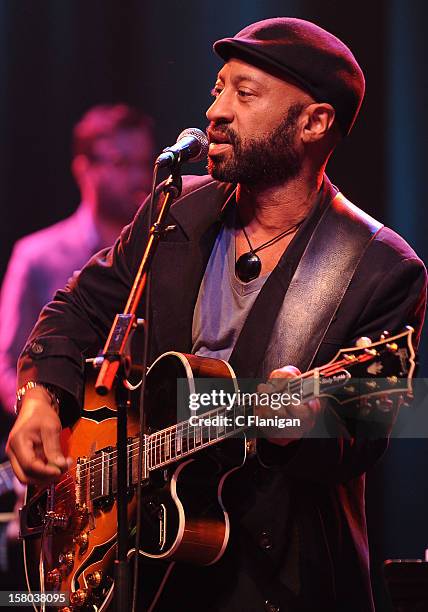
(223, 301)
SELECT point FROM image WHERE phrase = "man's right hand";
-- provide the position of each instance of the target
(34, 446)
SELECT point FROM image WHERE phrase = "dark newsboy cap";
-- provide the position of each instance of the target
(315, 59)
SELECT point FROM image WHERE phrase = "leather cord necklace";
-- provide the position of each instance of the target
(249, 265)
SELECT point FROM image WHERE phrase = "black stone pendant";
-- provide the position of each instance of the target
(248, 267)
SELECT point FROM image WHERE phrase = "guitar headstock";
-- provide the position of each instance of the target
(371, 369)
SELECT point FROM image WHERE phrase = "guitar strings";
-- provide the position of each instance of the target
(158, 444)
(294, 384)
(96, 465)
(152, 446)
(151, 449)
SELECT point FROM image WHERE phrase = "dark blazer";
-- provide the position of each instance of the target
(299, 537)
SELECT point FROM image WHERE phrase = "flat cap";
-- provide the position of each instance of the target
(316, 60)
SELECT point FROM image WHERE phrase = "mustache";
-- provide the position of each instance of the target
(221, 132)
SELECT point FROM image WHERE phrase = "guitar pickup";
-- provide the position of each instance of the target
(101, 473)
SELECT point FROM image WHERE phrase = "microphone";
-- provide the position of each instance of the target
(191, 145)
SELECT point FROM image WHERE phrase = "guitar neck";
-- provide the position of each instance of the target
(200, 431)
(169, 445)
(381, 368)
(166, 446)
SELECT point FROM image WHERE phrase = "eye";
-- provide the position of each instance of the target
(244, 93)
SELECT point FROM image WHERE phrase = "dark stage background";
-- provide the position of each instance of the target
(57, 58)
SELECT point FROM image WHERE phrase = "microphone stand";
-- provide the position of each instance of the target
(115, 363)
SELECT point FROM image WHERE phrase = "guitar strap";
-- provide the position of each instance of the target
(301, 312)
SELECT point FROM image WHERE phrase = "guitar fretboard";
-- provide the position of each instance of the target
(98, 477)
(203, 430)
(183, 439)
(162, 448)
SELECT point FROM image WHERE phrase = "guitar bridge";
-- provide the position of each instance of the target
(54, 520)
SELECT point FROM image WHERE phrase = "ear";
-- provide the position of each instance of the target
(318, 119)
(79, 168)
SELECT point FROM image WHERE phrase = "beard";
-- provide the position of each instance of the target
(271, 160)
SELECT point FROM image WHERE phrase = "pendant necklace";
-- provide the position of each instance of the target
(249, 265)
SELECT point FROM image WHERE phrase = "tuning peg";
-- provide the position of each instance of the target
(372, 352)
(393, 347)
(363, 341)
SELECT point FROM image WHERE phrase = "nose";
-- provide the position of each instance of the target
(221, 109)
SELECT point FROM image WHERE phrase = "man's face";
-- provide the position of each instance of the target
(254, 128)
(120, 170)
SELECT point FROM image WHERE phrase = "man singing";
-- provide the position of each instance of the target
(271, 269)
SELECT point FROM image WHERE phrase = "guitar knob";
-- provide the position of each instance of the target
(79, 597)
(53, 578)
(81, 518)
(66, 561)
(94, 579)
(363, 342)
(82, 540)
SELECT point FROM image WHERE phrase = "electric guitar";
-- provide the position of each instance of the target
(69, 527)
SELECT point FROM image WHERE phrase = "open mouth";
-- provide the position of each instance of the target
(219, 143)
(218, 138)
(216, 148)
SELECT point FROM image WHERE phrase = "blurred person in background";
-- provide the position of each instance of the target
(112, 153)
(113, 150)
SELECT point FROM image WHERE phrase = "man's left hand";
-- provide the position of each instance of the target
(307, 413)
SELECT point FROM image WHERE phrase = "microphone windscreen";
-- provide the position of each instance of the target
(201, 137)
